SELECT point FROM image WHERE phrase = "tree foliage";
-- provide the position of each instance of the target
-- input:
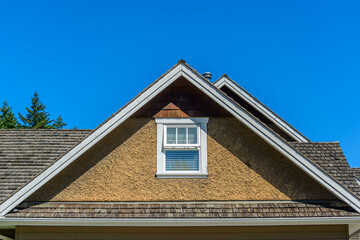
(7, 117)
(36, 116)
(59, 123)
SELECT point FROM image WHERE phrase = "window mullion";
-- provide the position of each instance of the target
(176, 136)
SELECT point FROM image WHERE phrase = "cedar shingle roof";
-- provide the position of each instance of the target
(280, 209)
(330, 157)
(26, 153)
(356, 172)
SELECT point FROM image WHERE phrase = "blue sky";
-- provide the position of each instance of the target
(88, 58)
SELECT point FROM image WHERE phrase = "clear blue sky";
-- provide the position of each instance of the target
(88, 58)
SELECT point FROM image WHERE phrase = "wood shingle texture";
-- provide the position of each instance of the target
(26, 153)
(241, 209)
(330, 157)
(356, 172)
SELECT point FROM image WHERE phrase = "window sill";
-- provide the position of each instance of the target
(182, 175)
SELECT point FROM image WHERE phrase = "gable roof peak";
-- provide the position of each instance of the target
(223, 78)
(181, 61)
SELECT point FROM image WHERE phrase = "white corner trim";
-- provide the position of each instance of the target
(3, 237)
(260, 107)
(354, 228)
(215, 94)
(357, 180)
(178, 222)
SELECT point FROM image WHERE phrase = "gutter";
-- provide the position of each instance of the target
(8, 222)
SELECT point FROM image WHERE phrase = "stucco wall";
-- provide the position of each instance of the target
(122, 168)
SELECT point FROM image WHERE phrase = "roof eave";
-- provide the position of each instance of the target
(177, 221)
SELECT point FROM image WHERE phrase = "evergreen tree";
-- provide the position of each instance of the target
(36, 116)
(59, 123)
(7, 117)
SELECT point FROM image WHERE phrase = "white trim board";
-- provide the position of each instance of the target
(235, 88)
(178, 222)
(204, 85)
(357, 180)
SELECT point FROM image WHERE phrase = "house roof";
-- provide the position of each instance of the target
(330, 157)
(356, 172)
(317, 171)
(154, 210)
(26, 153)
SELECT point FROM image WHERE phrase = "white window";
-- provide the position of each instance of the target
(181, 147)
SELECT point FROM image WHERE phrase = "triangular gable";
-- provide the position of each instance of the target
(122, 166)
(235, 88)
(184, 70)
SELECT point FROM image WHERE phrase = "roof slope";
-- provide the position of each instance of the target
(26, 153)
(234, 209)
(330, 157)
(356, 172)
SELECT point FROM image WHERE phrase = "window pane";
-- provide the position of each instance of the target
(192, 135)
(171, 136)
(182, 160)
(181, 136)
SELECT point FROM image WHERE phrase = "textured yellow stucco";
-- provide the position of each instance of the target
(122, 167)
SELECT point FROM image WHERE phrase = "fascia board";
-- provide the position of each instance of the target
(261, 108)
(178, 222)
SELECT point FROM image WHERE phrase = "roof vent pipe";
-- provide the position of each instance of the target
(207, 75)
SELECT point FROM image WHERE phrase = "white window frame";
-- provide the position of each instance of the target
(178, 145)
(162, 146)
